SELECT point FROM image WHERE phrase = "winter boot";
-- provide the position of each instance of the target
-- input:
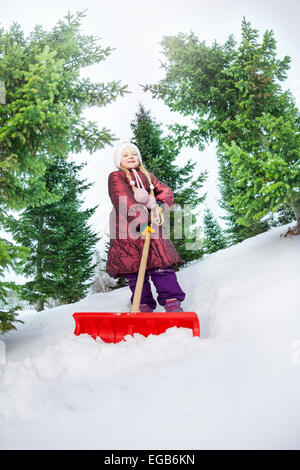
(145, 308)
(173, 305)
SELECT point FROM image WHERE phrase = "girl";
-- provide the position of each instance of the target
(128, 189)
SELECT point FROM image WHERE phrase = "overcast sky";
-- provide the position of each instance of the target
(135, 28)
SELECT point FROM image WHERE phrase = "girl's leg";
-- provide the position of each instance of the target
(166, 284)
(147, 297)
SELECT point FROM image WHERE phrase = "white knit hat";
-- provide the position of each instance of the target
(119, 150)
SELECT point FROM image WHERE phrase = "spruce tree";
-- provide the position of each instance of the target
(60, 240)
(235, 98)
(235, 231)
(159, 154)
(42, 100)
(214, 238)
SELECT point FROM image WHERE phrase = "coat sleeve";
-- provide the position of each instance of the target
(162, 192)
(117, 187)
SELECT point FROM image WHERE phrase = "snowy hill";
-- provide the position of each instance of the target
(235, 387)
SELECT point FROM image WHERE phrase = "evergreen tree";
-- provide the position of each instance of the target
(236, 232)
(60, 241)
(284, 216)
(10, 255)
(8, 316)
(159, 154)
(214, 239)
(103, 282)
(41, 105)
(235, 98)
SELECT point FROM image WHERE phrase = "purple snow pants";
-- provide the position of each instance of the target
(165, 282)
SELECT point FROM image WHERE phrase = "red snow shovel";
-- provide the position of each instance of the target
(112, 327)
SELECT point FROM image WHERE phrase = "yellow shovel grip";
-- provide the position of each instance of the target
(148, 229)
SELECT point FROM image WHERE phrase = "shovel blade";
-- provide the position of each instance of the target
(112, 327)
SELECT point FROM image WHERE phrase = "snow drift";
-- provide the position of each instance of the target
(237, 387)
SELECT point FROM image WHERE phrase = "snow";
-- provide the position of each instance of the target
(235, 387)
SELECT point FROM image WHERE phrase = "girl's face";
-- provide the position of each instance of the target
(130, 158)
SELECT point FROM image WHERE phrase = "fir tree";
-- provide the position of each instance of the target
(59, 238)
(214, 239)
(10, 256)
(235, 231)
(42, 100)
(159, 154)
(234, 97)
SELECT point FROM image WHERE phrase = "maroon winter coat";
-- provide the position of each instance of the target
(126, 217)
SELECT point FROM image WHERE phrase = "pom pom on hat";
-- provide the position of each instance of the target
(119, 151)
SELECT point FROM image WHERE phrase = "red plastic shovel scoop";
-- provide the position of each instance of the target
(113, 327)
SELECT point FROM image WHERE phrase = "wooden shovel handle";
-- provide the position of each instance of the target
(141, 275)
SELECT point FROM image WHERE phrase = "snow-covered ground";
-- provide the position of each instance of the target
(235, 387)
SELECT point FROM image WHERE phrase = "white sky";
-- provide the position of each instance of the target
(135, 28)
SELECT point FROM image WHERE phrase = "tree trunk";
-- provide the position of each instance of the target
(295, 230)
